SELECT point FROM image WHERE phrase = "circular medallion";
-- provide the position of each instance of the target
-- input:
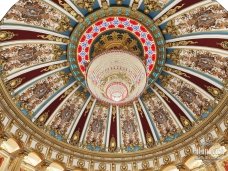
(85, 36)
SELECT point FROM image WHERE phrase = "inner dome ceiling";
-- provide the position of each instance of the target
(46, 48)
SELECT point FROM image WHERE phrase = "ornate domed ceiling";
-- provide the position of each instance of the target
(114, 77)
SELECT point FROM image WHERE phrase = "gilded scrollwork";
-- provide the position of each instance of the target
(149, 140)
(198, 103)
(44, 90)
(54, 67)
(95, 135)
(112, 144)
(160, 115)
(26, 55)
(130, 130)
(104, 4)
(166, 159)
(145, 164)
(168, 13)
(188, 150)
(12, 84)
(214, 91)
(70, 109)
(38, 13)
(69, 9)
(204, 61)
(181, 43)
(6, 35)
(102, 166)
(151, 5)
(119, 41)
(42, 119)
(19, 134)
(186, 123)
(39, 147)
(224, 44)
(85, 4)
(75, 138)
(54, 38)
(135, 5)
(35, 95)
(124, 167)
(209, 17)
(81, 163)
(178, 72)
(59, 157)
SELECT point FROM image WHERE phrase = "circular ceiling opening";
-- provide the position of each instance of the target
(112, 79)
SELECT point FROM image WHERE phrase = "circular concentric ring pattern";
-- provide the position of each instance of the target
(47, 47)
(101, 21)
(117, 23)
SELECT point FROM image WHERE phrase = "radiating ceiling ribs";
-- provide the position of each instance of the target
(27, 84)
(61, 104)
(12, 26)
(50, 100)
(140, 125)
(151, 124)
(61, 9)
(169, 109)
(192, 84)
(186, 10)
(166, 9)
(32, 68)
(107, 134)
(86, 126)
(188, 113)
(208, 78)
(72, 128)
